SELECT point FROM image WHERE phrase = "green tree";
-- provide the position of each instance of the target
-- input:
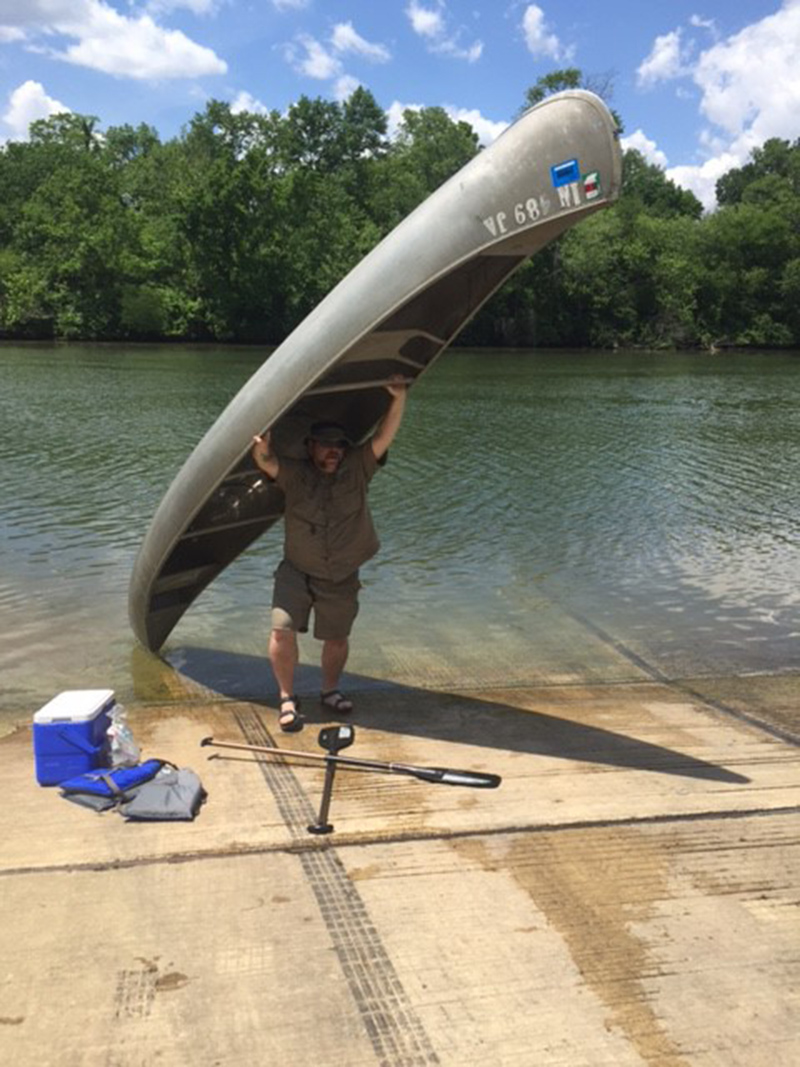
(557, 81)
(773, 172)
(751, 247)
(65, 230)
(429, 148)
(647, 184)
(67, 130)
(236, 229)
(225, 206)
(72, 242)
(54, 142)
(747, 252)
(363, 128)
(554, 82)
(312, 135)
(433, 145)
(128, 144)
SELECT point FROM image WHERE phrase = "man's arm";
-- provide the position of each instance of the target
(390, 423)
(265, 458)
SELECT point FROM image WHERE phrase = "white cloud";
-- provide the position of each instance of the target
(346, 39)
(703, 24)
(750, 92)
(244, 101)
(666, 60)
(486, 129)
(712, 143)
(141, 49)
(290, 5)
(315, 61)
(394, 116)
(425, 21)
(751, 82)
(33, 13)
(344, 87)
(702, 180)
(538, 38)
(430, 23)
(312, 58)
(197, 7)
(639, 141)
(11, 33)
(451, 47)
(132, 47)
(27, 103)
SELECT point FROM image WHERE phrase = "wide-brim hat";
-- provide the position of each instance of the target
(329, 433)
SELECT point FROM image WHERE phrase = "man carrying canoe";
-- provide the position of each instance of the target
(328, 535)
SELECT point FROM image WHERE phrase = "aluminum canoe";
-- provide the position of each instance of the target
(395, 313)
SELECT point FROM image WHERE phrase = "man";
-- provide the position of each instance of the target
(328, 535)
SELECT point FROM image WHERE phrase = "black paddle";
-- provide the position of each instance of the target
(333, 742)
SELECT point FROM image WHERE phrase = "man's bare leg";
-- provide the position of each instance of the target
(334, 658)
(283, 656)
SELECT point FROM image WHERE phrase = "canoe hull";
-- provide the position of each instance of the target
(395, 313)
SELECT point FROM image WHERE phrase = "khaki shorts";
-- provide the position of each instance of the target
(335, 604)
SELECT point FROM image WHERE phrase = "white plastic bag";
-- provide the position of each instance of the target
(122, 748)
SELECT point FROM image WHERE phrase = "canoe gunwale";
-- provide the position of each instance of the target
(219, 460)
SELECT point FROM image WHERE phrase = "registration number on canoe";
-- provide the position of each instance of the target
(571, 194)
(521, 214)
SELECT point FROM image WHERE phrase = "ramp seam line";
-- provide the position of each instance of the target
(301, 848)
(395, 1031)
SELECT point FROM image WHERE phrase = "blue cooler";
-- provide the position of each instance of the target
(69, 734)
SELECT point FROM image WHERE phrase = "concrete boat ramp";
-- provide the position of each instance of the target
(628, 896)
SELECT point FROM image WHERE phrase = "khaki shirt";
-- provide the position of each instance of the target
(328, 528)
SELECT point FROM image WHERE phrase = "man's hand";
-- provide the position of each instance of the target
(263, 446)
(390, 424)
(396, 386)
(265, 458)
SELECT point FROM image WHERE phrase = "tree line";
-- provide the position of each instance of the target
(235, 229)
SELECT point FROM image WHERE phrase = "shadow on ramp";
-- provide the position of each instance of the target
(443, 716)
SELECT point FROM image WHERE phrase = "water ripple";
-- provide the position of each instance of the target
(655, 495)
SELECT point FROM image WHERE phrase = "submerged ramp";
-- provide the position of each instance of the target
(395, 313)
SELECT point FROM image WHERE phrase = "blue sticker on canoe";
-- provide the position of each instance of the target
(566, 172)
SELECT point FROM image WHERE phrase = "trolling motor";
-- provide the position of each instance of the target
(335, 738)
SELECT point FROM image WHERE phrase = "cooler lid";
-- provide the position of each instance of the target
(75, 705)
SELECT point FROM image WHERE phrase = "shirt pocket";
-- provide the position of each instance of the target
(349, 499)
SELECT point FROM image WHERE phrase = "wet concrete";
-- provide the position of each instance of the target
(628, 896)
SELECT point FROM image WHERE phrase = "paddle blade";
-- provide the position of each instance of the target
(447, 776)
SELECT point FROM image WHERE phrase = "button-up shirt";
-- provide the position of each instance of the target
(329, 531)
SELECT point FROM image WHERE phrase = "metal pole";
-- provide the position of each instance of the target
(322, 826)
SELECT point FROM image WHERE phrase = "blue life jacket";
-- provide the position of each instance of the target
(104, 788)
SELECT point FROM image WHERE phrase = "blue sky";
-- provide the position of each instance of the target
(698, 84)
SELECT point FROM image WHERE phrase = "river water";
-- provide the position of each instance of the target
(546, 517)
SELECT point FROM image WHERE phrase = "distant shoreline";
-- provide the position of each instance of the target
(269, 348)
